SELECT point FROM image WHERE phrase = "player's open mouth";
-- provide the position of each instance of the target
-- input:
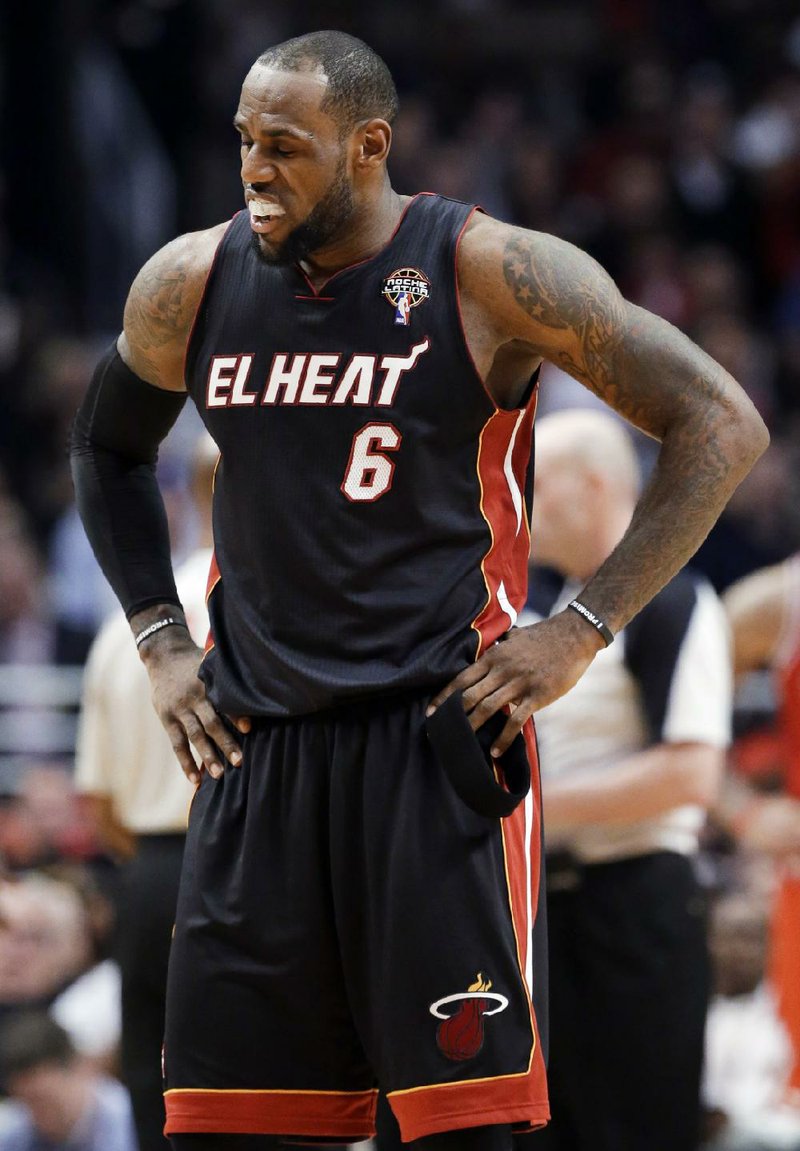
(264, 216)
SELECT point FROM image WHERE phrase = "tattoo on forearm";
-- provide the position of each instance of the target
(655, 377)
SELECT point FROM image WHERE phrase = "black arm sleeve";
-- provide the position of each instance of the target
(113, 453)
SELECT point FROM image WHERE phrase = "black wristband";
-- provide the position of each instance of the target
(594, 620)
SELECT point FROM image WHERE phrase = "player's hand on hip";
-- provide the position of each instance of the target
(190, 721)
(529, 669)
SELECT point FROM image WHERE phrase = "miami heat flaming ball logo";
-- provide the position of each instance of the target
(405, 289)
(460, 1034)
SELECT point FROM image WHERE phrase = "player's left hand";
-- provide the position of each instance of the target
(530, 668)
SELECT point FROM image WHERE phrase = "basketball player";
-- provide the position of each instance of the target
(358, 883)
(764, 611)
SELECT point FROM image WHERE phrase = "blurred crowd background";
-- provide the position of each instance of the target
(663, 136)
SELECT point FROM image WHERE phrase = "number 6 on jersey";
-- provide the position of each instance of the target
(369, 473)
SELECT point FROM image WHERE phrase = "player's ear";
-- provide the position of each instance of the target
(374, 139)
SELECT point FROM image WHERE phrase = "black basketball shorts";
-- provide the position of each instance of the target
(344, 921)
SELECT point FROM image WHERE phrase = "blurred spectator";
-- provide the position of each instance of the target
(738, 347)
(761, 523)
(535, 183)
(26, 627)
(713, 197)
(60, 1103)
(715, 282)
(747, 1051)
(764, 610)
(45, 940)
(654, 278)
(41, 821)
(51, 946)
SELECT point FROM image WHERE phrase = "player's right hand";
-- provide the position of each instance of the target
(179, 697)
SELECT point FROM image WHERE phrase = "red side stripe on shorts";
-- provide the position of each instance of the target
(347, 1115)
(522, 832)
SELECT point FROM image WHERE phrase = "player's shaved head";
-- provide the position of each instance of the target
(360, 86)
(591, 441)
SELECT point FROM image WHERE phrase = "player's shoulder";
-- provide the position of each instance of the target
(162, 303)
(489, 244)
(486, 240)
(192, 252)
(531, 286)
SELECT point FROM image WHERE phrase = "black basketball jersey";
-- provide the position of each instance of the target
(370, 507)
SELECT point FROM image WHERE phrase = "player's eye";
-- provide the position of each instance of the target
(284, 152)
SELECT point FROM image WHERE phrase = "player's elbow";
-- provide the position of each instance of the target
(744, 430)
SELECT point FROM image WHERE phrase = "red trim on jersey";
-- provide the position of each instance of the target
(374, 256)
(348, 1115)
(523, 869)
(201, 301)
(506, 561)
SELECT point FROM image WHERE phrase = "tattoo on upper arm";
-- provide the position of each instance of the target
(155, 306)
(640, 365)
(160, 309)
(592, 308)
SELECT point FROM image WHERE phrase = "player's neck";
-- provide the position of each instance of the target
(371, 229)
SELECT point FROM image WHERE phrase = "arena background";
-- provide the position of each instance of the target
(661, 135)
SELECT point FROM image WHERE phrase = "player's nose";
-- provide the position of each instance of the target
(257, 170)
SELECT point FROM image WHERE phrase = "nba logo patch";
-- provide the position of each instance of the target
(405, 289)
